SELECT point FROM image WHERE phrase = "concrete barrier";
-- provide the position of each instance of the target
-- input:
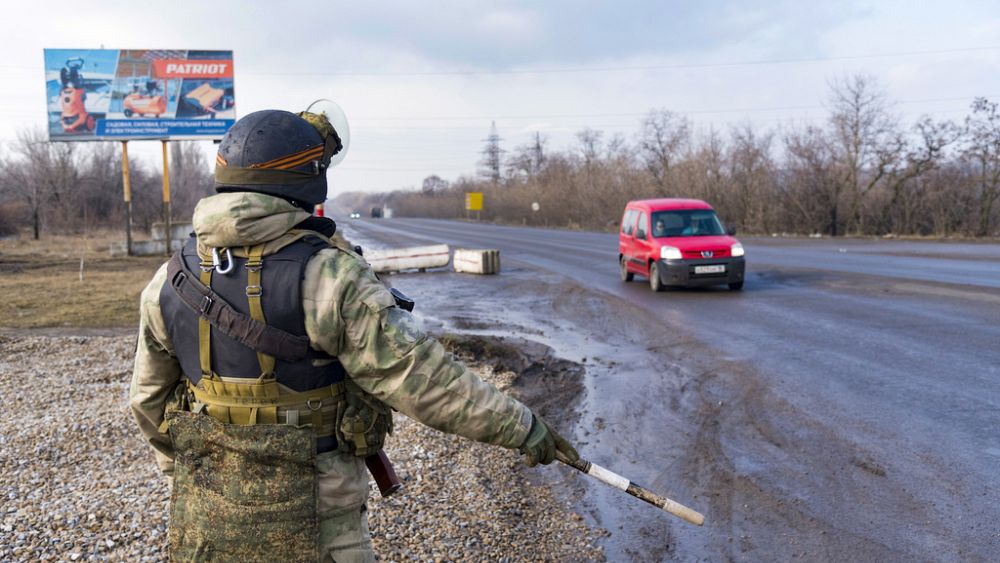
(477, 261)
(413, 258)
(147, 247)
(178, 231)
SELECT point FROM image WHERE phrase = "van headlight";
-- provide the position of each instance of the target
(736, 250)
(670, 253)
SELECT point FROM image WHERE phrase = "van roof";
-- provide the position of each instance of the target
(669, 203)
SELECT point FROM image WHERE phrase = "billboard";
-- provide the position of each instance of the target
(110, 94)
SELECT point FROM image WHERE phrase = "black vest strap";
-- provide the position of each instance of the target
(209, 305)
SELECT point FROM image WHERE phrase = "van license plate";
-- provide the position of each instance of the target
(715, 269)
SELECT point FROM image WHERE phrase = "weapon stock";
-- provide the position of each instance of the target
(385, 476)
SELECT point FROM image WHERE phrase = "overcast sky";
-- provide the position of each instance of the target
(421, 81)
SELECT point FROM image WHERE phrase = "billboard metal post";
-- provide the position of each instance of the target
(166, 195)
(127, 188)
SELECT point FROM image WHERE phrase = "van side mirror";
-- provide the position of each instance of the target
(730, 230)
(641, 233)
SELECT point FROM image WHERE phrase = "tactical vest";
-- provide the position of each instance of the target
(235, 383)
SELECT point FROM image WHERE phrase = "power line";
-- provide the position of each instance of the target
(627, 68)
(618, 68)
(643, 114)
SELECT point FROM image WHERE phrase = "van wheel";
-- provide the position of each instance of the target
(626, 275)
(654, 278)
(736, 286)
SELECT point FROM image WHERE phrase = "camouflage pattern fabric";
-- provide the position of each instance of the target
(343, 519)
(363, 423)
(242, 493)
(349, 314)
(242, 219)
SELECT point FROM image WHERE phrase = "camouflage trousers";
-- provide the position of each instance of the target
(343, 516)
(248, 493)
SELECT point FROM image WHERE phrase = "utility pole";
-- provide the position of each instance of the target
(127, 189)
(492, 156)
(166, 196)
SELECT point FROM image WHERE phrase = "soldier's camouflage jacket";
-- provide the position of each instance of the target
(349, 314)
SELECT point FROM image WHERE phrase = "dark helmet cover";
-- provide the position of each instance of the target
(277, 153)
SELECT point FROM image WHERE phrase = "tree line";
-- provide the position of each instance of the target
(72, 188)
(861, 172)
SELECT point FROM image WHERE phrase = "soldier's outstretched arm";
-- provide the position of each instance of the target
(156, 372)
(350, 314)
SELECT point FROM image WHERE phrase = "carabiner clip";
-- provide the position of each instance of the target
(217, 262)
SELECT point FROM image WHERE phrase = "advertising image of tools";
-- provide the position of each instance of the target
(146, 100)
(133, 94)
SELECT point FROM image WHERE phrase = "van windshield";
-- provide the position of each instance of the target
(686, 223)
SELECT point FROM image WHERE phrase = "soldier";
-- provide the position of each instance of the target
(269, 354)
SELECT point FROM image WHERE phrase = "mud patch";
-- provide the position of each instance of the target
(549, 385)
(869, 466)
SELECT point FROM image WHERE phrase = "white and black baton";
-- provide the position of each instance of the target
(619, 482)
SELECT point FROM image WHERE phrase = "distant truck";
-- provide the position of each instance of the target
(376, 212)
(381, 213)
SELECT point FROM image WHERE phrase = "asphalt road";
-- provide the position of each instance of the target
(844, 406)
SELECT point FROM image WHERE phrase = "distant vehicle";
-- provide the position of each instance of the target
(376, 212)
(678, 242)
(355, 215)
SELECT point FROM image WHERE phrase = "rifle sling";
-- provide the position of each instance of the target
(211, 306)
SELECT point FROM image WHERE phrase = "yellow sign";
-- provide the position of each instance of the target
(474, 201)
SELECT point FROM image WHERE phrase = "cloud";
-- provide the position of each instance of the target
(290, 54)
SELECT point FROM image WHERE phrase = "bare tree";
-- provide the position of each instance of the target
(921, 155)
(702, 173)
(663, 137)
(590, 145)
(98, 195)
(812, 185)
(527, 160)
(867, 139)
(41, 173)
(752, 170)
(982, 149)
(190, 177)
(433, 184)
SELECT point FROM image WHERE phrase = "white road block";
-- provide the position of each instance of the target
(477, 261)
(413, 258)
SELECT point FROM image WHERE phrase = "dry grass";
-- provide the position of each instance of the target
(40, 282)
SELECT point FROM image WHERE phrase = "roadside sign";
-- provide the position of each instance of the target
(126, 94)
(474, 201)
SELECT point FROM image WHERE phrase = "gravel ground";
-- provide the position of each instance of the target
(77, 482)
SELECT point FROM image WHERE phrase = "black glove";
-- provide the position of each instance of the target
(542, 443)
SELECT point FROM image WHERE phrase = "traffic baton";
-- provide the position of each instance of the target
(619, 482)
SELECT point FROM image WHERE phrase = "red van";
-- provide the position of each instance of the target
(678, 242)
